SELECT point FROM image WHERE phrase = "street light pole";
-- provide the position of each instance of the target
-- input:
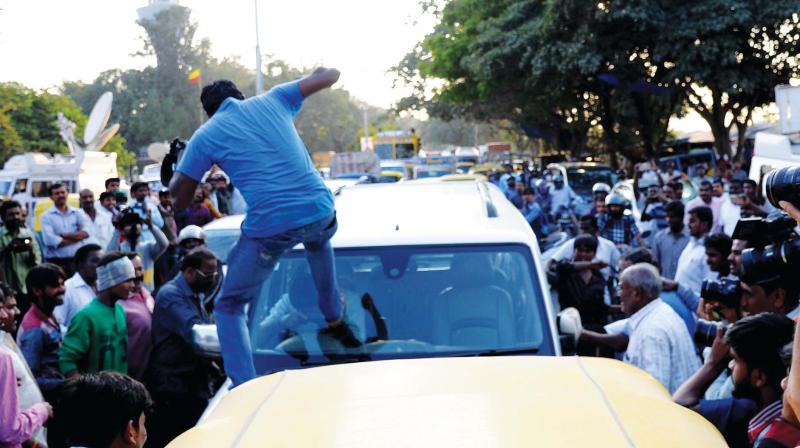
(259, 76)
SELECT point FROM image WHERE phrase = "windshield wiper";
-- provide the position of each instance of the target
(504, 351)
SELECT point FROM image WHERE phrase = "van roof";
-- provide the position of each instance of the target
(411, 213)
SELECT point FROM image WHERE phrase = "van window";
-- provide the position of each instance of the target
(22, 186)
(40, 188)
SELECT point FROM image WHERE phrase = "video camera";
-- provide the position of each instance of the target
(170, 162)
(775, 246)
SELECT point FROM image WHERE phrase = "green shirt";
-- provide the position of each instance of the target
(97, 340)
(17, 264)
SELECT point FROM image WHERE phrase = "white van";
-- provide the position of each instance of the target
(772, 151)
(27, 177)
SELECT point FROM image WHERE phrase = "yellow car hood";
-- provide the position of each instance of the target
(518, 401)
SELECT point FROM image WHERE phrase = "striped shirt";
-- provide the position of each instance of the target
(660, 345)
(763, 419)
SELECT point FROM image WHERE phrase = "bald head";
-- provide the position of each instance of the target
(87, 199)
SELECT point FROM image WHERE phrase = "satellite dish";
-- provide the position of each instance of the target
(157, 151)
(98, 118)
(101, 140)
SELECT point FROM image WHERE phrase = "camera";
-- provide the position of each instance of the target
(776, 246)
(783, 185)
(706, 331)
(725, 291)
(170, 162)
(128, 216)
(21, 244)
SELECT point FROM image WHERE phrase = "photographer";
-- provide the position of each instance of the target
(19, 251)
(129, 226)
(752, 349)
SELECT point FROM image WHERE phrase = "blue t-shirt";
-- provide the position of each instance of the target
(255, 142)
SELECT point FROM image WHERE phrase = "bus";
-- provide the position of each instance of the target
(396, 145)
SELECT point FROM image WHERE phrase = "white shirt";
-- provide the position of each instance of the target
(692, 265)
(561, 197)
(606, 252)
(100, 229)
(77, 295)
(661, 346)
(729, 214)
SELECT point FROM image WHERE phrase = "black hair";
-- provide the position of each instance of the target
(586, 241)
(53, 187)
(8, 205)
(675, 207)
(704, 214)
(82, 254)
(7, 291)
(163, 193)
(676, 185)
(195, 258)
(528, 191)
(639, 255)
(111, 257)
(111, 179)
(591, 219)
(96, 408)
(44, 275)
(107, 194)
(718, 180)
(751, 182)
(720, 242)
(137, 185)
(758, 341)
(215, 93)
(705, 183)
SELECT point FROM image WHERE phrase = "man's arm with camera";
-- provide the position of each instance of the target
(693, 389)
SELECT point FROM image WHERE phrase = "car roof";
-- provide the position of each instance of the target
(428, 213)
(421, 213)
(510, 401)
(584, 165)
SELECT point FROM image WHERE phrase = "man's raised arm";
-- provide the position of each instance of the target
(320, 78)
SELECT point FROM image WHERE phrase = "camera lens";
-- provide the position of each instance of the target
(783, 185)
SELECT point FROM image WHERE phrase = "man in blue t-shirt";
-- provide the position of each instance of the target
(255, 142)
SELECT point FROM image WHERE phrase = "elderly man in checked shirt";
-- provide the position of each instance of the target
(659, 342)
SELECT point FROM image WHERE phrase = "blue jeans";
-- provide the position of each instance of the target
(250, 263)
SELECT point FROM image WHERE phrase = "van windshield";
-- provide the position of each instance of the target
(404, 302)
(5, 187)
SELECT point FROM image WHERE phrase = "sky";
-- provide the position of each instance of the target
(46, 42)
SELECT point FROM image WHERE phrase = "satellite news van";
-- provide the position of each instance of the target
(779, 148)
(26, 178)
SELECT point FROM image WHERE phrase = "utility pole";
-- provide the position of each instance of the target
(259, 76)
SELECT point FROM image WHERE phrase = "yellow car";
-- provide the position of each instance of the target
(515, 401)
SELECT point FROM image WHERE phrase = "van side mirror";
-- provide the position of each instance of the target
(569, 327)
(206, 341)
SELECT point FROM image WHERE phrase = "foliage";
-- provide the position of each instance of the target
(28, 123)
(159, 104)
(559, 69)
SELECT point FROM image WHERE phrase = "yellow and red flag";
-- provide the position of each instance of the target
(194, 76)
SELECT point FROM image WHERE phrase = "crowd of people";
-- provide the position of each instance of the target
(99, 305)
(678, 301)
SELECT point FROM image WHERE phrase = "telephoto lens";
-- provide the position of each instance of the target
(783, 185)
(706, 332)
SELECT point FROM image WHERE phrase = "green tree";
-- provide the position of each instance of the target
(727, 63)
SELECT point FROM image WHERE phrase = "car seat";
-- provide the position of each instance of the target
(473, 311)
